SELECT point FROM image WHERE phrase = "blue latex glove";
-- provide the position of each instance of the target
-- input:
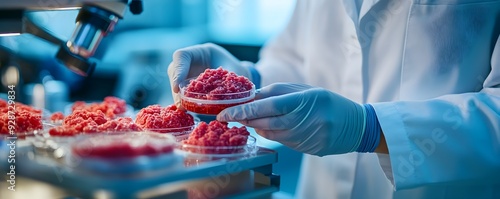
(308, 119)
(191, 61)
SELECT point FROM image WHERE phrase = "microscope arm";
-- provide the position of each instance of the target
(32, 28)
(95, 20)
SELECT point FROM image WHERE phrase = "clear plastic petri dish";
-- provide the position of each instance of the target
(180, 133)
(32, 125)
(128, 113)
(103, 128)
(198, 102)
(48, 139)
(46, 115)
(57, 144)
(59, 118)
(122, 153)
(220, 151)
(29, 134)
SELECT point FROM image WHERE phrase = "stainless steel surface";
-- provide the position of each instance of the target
(244, 177)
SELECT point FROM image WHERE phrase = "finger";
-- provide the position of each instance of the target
(177, 100)
(179, 68)
(182, 60)
(284, 138)
(278, 123)
(268, 134)
(280, 89)
(268, 107)
(274, 135)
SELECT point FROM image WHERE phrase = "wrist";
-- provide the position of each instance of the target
(372, 131)
(382, 145)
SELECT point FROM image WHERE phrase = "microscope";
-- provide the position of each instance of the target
(96, 18)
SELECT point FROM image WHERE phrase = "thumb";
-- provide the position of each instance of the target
(183, 61)
(280, 89)
(179, 68)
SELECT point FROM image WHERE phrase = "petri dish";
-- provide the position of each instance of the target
(58, 121)
(220, 151)
(109, 126)
(48, 140)
(123, 152)
(197, 102)
(180, 133)
(128, 113)
(29, 134)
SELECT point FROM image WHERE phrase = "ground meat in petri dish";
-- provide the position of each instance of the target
(164, 119)
(23, 107)
(84, 121)
(26, 118)
(208, 109)
(217, 134)
(121, 124)
(124, 145)
(210, 84)
(110, 106)
(56, 117)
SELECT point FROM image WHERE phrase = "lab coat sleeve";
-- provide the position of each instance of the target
(281, 59)
(449, 139)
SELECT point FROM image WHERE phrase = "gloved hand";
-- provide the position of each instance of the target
(191, 61)
(309, 119)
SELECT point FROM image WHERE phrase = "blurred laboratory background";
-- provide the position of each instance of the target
(132, 61)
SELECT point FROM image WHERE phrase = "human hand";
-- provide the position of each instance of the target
(309, 119)
(191, 61)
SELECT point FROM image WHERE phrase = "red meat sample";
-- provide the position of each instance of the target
(26, 119)
(24, 107)
(217, 134)
(209, 109)
(124, 145)
(3, 104)
(164, 120)
(212, 83)
(216, 84)
(56, 117)
(84, 121)
(121, 124)
(111, 106)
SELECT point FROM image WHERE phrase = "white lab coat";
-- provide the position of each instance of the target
(436, 66)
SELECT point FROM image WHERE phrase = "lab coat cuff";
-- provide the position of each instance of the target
(385, 162)
(398, 143)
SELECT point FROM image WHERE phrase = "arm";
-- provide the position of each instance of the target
(450, 139)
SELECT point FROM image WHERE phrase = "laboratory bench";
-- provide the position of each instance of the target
(47, 174)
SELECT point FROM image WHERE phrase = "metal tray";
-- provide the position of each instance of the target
(243, 177)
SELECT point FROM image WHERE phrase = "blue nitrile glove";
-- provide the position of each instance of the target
(309, 119)
(191, 61)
